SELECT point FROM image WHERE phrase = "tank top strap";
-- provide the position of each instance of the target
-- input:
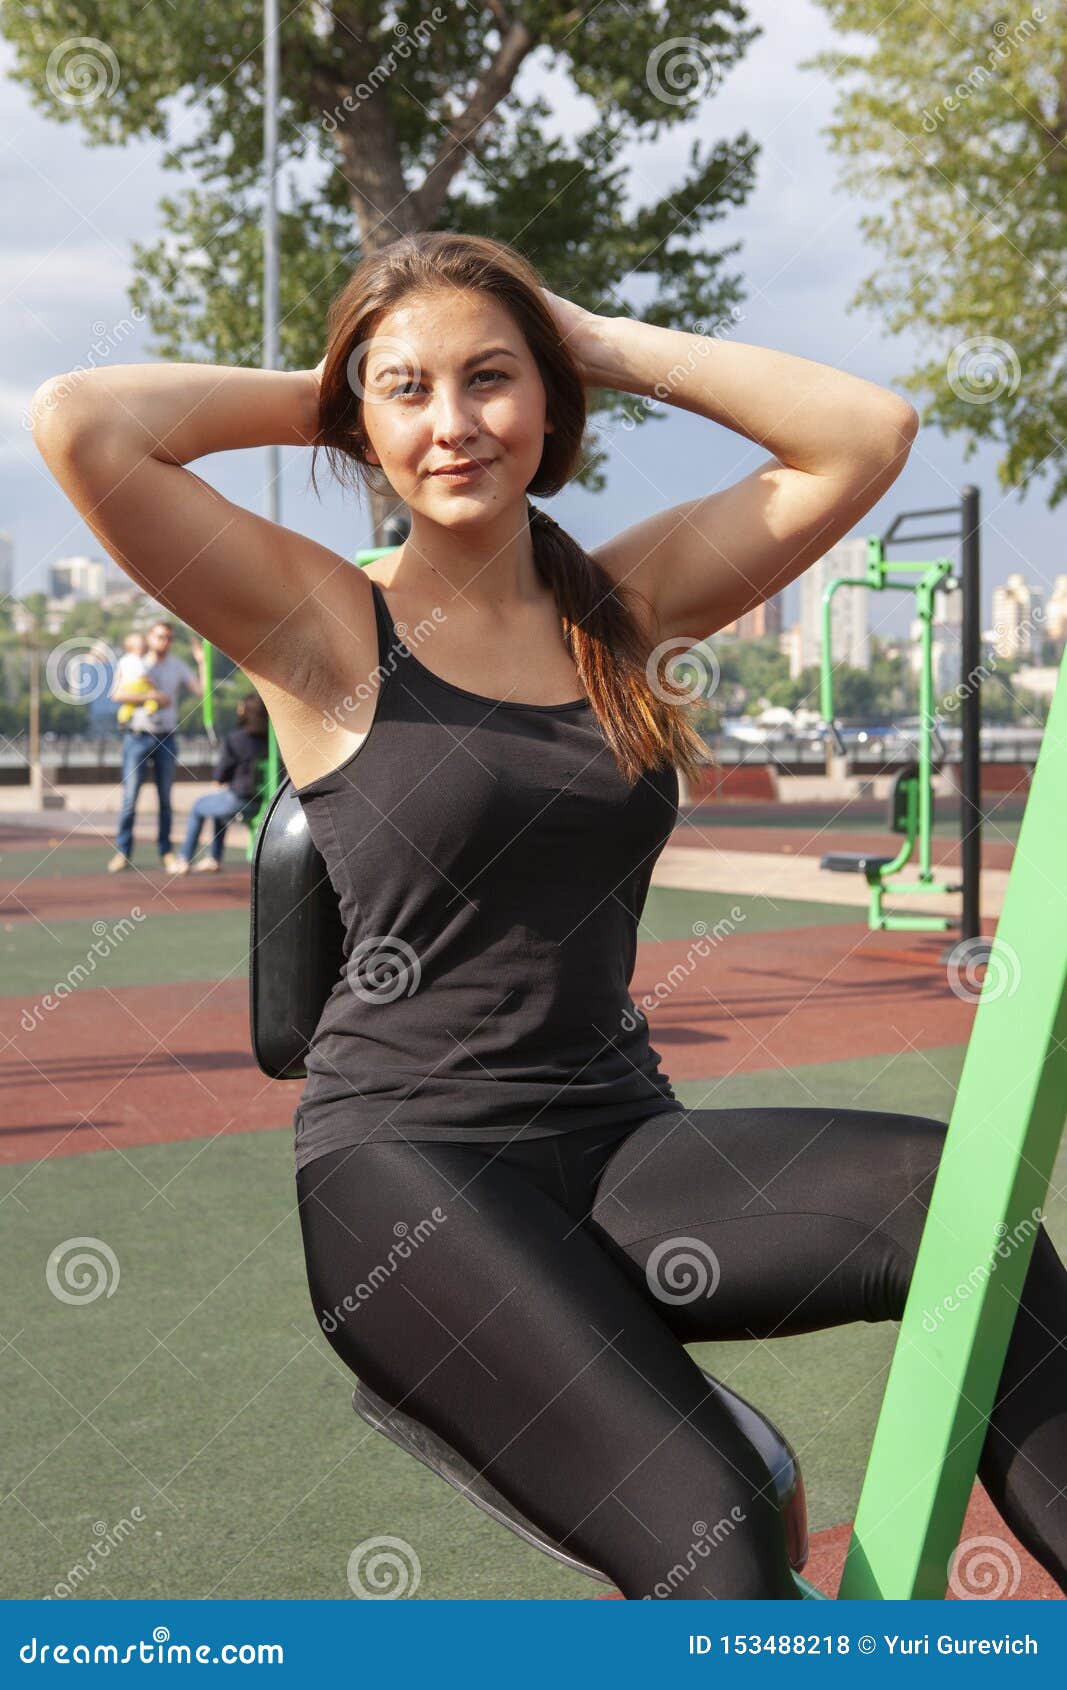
(388, 638)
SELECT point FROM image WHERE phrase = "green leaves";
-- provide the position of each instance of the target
(954, 124)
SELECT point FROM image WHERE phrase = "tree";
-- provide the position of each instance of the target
(396, 118)
(955, 124)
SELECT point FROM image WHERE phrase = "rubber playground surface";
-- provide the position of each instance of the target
(189, 1413)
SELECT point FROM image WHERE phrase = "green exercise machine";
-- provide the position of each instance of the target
(911, 800)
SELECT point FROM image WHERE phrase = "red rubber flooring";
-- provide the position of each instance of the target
(990, 1563)
(795, 996)
(76, 1080)
(997, 1568)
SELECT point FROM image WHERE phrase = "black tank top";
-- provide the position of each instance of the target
(491, 865)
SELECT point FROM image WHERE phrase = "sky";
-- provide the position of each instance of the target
(73, 212)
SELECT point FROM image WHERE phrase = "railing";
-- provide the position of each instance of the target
(78, 759)
(797, 754)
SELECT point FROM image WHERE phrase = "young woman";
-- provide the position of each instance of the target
(485, 742)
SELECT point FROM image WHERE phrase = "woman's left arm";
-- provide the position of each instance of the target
(839, 442)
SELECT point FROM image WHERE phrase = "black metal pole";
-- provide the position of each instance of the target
(971, 714)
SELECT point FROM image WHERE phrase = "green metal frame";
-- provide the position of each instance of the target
(993, 1178)
(881, 880)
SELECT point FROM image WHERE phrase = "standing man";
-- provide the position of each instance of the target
(156, 746)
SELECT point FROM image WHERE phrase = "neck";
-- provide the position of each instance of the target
(489, 566)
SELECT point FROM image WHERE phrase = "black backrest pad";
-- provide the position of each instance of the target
(897, 819)
(296, 949)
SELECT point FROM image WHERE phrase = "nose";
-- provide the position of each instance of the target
(455, 417)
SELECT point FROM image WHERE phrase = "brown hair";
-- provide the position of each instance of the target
(252, 713)
(646, 725)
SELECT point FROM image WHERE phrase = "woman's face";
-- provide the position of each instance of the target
(449, 379)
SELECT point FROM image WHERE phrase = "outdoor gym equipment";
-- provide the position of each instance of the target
(911, 801)
(911, 798)
(993, 1177)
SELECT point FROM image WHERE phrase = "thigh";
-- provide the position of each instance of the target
(164, 760)
(469, 1297)
(135, 758)
(212, 804)
(770, 1221)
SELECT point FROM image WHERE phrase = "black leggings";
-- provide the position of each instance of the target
(530, 1302)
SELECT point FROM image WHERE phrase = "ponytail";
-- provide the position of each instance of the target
(643, 715)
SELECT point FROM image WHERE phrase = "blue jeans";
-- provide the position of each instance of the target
(220, 807)
(139, 750)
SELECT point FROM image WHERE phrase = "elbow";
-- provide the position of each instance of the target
(888, 438)
(53, 414)
(908, 423)
(902, 425)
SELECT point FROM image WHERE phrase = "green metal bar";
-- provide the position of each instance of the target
(915, 923)
(924, 606)
(207, 703)
(992, 1181)
(934, 575)
(919, 886)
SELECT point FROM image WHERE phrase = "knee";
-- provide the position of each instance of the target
(901, 1188)
(913, 1156)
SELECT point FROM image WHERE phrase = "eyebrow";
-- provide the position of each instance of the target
(479, 357)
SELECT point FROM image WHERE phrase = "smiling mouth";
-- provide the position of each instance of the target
(458, 471)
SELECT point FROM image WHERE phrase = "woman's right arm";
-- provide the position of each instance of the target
(117, 441)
